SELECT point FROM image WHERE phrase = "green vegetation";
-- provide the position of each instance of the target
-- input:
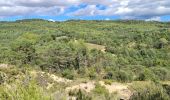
(81, 95)
(100, 89)
(21, 92)
(148, 91)
(122, 51)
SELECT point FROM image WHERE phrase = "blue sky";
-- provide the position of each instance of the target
(60, 10)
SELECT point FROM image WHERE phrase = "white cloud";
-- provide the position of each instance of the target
(90, 10)
(10, 8)
(51, 20)
(122, 10)
(142, 9)
(27, 11)
(154, 19)
(131, 9)
(46, 3)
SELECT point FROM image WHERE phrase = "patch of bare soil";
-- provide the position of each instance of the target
(4, 65)
(82, 86)
(121, 89)
(52, 77)
(59, 79)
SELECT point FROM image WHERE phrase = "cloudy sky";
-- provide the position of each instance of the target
(158, 10)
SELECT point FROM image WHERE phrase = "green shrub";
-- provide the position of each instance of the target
(162, 73)
(147, 74)
(80, 95)
(161, 43)
(148, 91)
(23, 92)
(82, 71)
(108, 82)
(122, 76)
(100, 89)
(167, 88)
(141, 77)
(102, 92)
(68, 74)
(92, 75)
(109, 75)
(2, 77)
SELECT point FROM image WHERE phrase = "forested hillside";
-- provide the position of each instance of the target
(114, 51)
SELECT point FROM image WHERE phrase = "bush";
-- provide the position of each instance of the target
(162, 73)
(82, 71)
(161, 43)
(122, 76)
(102, 92)
(92, 75)
(167, 88)
(148, 91)
(22, 92)
(141, 77)
(80, 95)
(108, 82)
(146, 75)
(109, 75)
(2, 77)
(100, 89)
(68, 74)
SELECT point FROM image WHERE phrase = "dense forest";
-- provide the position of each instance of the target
(124, 51)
